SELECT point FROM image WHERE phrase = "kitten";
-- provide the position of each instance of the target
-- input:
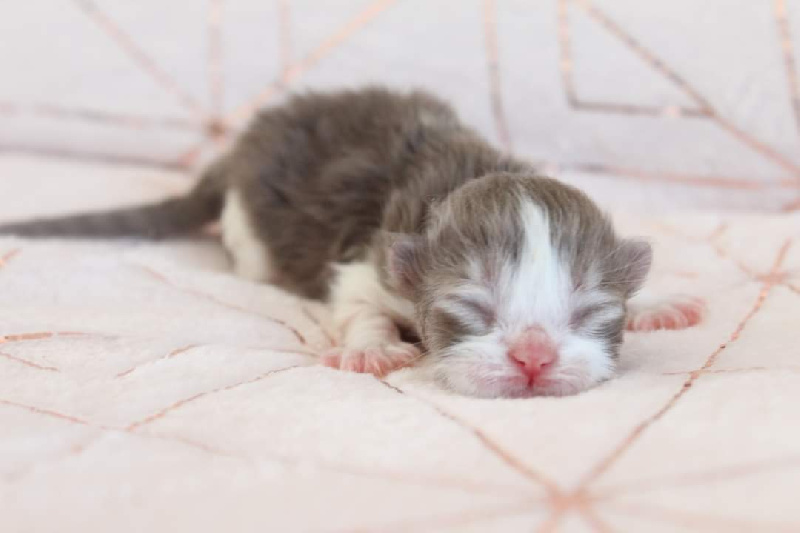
(388, 207)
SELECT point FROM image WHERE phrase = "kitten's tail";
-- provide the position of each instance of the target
(171, 217)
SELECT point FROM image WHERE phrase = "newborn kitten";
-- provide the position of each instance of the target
(387, 206)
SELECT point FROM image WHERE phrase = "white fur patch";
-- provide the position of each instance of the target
(366, 317)
(250, 255)
(535, 290)
(539, 292)
(358, 284)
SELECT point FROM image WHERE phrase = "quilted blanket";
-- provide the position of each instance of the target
(143, 387)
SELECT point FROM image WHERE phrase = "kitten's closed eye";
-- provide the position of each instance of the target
(476, 309)
(458, 317)
(596, 315)
(582, 315)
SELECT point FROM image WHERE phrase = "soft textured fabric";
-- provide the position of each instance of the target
(145, 388)
(645, 103)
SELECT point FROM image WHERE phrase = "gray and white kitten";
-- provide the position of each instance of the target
(387, 206)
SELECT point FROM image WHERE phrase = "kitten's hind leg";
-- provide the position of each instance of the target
(648, 312)
(369, 337)
(251, 257)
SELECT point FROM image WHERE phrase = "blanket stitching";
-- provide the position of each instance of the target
(493, 67)
(361, 20)
(168, 409)
(498, 451)
(701, 478)
(697, 520)
(211, 298)
(671, 74)
(27, 363)
(8, 256)
(448, 483)
(605, 464)
(140, 58)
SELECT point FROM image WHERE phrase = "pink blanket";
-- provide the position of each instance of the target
(144, 388)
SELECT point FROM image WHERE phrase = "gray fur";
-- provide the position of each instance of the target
(168, 218)
(483, 215)
(337, 177)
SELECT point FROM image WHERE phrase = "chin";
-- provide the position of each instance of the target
(489, 381)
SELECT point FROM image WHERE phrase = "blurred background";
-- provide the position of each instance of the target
(648, 105)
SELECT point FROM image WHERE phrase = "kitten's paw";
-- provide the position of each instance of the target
(675, 312)
(378, 359)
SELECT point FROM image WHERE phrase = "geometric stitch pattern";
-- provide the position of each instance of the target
(294, 340)
(216, 125)
(217, 394)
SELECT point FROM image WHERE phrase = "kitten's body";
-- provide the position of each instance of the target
(329, 170)
(389, 207)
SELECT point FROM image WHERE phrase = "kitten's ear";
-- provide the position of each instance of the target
(403, 260)
(632, 261)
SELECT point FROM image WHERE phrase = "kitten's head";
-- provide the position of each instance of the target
(520, 285)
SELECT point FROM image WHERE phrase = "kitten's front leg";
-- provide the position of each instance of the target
(370, 340)
(370, 343)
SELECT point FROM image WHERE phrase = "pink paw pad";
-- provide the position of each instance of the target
(379, 359)
(674, 313)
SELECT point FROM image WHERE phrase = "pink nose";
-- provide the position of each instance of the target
(533, 352)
